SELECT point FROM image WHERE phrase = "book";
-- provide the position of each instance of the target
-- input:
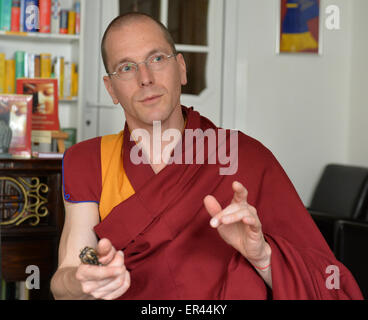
(26, 66)
(10, 76)
(2, 73)
(58, 68)
(19, 64)
(47, 155)
(45, 16)
(37, 66)
(77, 17)
(30, 73)
(46, 66)
(55, 16)
(72, 137)
(74, 82)
(15, 16)
(71, 22)
(21, 18)
(16, 113)
(45, 114)
(5, 14)
(31, 16)
(67, 79)
(63, 21)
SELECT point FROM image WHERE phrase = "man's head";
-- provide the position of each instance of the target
(151, 95)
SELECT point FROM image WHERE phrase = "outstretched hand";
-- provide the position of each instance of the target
(238, 224)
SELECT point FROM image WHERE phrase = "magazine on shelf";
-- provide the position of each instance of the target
(15, 123)
(45, 114)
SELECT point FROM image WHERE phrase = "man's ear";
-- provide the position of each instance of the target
(110, 89)
(183, 69)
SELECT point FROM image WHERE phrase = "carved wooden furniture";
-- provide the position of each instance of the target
(32, 217)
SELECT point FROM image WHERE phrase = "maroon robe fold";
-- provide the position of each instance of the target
(172, 252)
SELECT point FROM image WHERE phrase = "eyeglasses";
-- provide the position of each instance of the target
(128, 70)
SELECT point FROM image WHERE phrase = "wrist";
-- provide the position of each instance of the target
(264, 262)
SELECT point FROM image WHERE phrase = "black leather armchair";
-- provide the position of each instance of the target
(341, 193)
(351, 242)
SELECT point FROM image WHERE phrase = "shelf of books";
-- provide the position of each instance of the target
(41, 50)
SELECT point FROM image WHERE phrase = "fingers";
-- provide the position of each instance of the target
(212, 205)
(96, 273)
(235, 213)
(115, 288)
(240, 193)
(118, 260)
(105, 282)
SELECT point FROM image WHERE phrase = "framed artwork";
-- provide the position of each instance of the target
(299, 30)
(45, 115)
(16, 122)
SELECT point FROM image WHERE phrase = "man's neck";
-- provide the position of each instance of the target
(158, 156)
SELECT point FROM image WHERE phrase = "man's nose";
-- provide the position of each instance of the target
(145, 75)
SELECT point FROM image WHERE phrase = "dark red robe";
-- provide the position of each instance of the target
(171, 250)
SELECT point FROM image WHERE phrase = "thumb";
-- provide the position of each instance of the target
(106, 251)
(212, 205)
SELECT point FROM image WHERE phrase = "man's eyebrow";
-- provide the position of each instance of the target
(127, 59)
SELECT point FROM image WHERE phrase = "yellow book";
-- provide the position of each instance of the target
(10, 76)
(46, 65)
(2, 73)
(71, 22)
(74, 89)
(61, 78)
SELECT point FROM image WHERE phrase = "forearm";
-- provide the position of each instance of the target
(65, 286)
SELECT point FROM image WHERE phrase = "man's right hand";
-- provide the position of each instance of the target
(109, 281)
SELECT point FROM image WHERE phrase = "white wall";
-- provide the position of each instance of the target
(296, 105)
(358, 134)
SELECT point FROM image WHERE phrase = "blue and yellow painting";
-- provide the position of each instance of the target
(299, 26)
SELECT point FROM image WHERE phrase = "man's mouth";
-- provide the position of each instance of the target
(151, 99)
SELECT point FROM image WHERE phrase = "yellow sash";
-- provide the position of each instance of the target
(116, 186)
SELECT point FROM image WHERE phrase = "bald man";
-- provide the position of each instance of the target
(181, 229)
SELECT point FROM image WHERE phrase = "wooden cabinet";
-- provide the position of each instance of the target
(32, 218)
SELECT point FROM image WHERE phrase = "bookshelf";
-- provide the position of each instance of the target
(69, 46)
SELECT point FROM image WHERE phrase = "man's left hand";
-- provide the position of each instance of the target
(238, 224)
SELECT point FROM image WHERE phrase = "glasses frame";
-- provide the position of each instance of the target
(115, 73)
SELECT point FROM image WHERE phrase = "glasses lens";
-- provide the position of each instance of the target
(157, 61)
(127, 70)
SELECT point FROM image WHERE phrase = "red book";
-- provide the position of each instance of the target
(45, 114)
(15, 16)
(45, 15)
(16, 114)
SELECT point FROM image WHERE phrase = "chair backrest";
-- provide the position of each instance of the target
(351, 239)
(342, 191)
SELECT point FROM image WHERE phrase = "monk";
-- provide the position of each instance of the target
(173, 227)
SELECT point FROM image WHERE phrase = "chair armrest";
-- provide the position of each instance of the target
(351, 240)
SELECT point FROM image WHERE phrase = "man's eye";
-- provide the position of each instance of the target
(126, 68)
(158, 58)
